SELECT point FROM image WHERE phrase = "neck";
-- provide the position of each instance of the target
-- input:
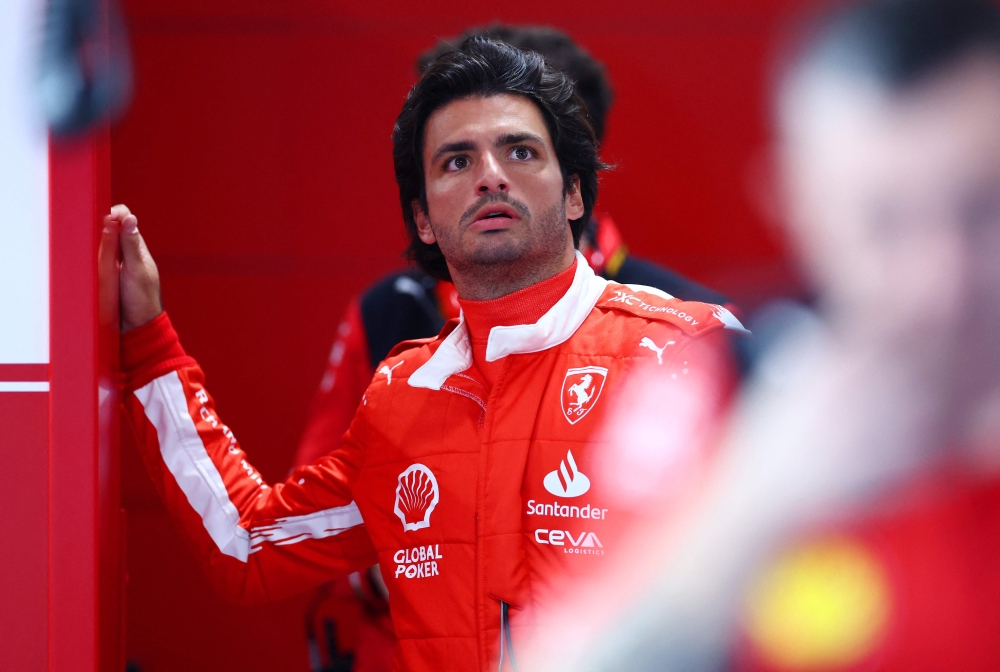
(525, 306)
(484, 282)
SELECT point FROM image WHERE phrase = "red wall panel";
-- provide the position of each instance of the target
(24, 449)
(257, 157)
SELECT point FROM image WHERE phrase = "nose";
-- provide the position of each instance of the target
(491, 178)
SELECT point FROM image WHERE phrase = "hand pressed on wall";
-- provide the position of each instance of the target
(139, 280)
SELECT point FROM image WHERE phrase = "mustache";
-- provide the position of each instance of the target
(487, 199)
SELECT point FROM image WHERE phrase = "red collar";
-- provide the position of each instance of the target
(525, 306)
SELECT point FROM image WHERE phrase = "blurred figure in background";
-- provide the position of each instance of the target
(852, 521)
(409, 305)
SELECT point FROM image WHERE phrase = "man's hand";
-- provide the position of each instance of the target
(138, 278)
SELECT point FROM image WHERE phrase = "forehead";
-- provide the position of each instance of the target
(942, 133)
(479, 119)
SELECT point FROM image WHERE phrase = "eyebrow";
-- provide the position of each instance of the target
(516, 138)
(460, 146)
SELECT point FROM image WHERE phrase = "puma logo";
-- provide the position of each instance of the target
(388, 372)
(647, 342)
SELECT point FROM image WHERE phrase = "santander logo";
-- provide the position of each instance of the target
(565, 482)
(416, 496)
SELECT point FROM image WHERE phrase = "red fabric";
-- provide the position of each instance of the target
(489, 463)
(344, 381)
(447, 300)
(150, 351)
(524, 306)
(941, 556)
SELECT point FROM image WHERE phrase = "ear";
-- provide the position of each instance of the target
(574, 199)
(424, 230)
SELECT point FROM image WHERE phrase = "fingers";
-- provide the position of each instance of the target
(134, 250)
(130, 224)
(120, 211)
(114, 219)
(139, 279)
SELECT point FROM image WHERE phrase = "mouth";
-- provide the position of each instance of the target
(494, 217)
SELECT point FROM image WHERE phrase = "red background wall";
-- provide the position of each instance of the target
(256, 155)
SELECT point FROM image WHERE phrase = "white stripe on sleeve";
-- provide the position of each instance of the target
(184, 454)
(294, 529)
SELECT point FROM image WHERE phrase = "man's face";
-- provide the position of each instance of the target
(495, 192)
(895, 201)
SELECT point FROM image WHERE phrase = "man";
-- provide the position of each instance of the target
(852, 520)
(891, 153)
(411, 304)
(467, 461)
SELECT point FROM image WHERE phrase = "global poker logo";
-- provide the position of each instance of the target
(416, 496)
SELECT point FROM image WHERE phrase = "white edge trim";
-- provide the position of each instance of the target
(454, 355)
(24, 386)
(555, 327)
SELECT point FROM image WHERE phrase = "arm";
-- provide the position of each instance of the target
(256, 542)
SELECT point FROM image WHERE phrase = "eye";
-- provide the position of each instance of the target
(456, 163)
(522, 153)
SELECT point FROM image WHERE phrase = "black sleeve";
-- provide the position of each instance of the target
(399, 307)
(635, 271)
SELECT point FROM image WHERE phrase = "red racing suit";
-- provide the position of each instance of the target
(915, 587)
(472, 503)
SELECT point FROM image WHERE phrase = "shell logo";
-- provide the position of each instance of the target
(416, 496)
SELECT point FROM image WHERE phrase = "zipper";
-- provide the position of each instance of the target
(505, 637)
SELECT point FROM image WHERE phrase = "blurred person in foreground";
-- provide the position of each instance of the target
(411, 304)
(852, 519)
(467, 471)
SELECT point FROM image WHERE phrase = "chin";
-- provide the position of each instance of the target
(496, 252)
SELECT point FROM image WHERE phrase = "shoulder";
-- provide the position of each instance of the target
(693, 318)
(407, 284)
(408, 356)
(399, 307)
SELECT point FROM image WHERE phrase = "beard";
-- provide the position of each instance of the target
(503, 258)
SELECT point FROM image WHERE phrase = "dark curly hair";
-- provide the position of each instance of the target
(895, 43)
(558, 49)
(483, 67)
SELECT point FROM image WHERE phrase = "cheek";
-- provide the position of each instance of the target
(441, 200)
(544, 190)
